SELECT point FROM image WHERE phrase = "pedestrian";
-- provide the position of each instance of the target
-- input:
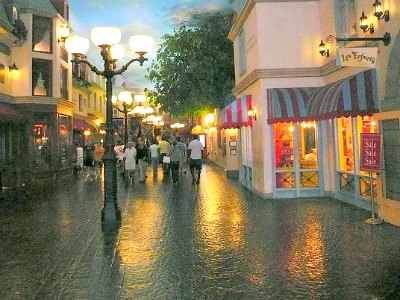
(154, 150)
(195, 151)
(181, 145)
(79, 158)
(98, 159)
(89, 154)
(130, 161)
(142, 152)
(164, 148)
(119, 152)
(175, 154)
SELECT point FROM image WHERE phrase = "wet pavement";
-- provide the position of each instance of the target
(214, 240)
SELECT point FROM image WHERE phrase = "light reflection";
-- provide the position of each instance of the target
(139, 244)
(221, 223)
(306, 258)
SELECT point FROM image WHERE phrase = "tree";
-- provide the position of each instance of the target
(193, 71)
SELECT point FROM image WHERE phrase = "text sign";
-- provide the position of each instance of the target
(370, 152)
(357, 57)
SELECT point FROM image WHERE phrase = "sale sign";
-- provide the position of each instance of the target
(370, 152)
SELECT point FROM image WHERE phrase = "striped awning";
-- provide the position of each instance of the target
(353, 96)
(235, 114)
(82, 125)
(287, 104)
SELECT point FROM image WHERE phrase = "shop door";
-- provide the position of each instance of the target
(297, 167)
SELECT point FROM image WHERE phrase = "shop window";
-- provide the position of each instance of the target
(346, 20)
(64, 83)
(345, 143)
(308, 145)
(42, 77)
(80, 102)
(283, 136)
(42, 34)
(246, 146)
(242, 52)
(391, 146)
(42, 144)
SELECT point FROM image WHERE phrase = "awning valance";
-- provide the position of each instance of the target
(287, 104)
(82, 125)
(235, 114)
(353, 96)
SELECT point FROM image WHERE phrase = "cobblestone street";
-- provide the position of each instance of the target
(214, 240)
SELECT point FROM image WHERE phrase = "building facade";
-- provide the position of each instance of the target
(309, 109)
(37, 101)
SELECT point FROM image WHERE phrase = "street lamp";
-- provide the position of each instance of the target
(107, 38)
(125, 97)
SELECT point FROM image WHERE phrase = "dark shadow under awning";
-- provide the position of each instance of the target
(10, 114)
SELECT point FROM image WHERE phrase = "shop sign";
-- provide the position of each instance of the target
(357, 57)
(370, 152)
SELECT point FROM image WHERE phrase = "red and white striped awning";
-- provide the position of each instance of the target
(235, 114)
(352, 96)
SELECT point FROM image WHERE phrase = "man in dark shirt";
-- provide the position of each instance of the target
(141, 155)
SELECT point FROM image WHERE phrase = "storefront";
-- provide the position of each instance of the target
(234, 139)
(307, 122)
(84, 132)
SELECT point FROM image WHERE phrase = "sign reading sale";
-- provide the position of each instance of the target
(370, 152)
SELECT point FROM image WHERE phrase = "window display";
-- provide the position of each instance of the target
(283, 133)
(345, 143)
(308, 145)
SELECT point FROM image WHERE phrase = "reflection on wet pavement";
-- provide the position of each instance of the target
(214, 240)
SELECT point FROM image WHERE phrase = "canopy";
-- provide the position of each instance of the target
(82, 125)
(353, 96)
(235, 114)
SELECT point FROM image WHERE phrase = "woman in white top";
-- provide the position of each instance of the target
(130, 161)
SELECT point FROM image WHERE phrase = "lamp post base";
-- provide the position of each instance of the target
(373, 221)
(110, 216)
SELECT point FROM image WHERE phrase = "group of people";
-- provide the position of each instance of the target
(172, 155)
(91, 156)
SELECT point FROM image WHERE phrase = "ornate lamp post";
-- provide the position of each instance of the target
(107, 38)
(125, 98)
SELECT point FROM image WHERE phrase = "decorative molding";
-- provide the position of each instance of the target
(284, 73)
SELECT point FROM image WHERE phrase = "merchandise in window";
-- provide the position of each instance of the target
(345, 143)
(41, 34)
(41, 77)
(283, 133)
(308, 145)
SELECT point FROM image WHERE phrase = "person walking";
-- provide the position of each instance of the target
(98, 159)
(119, 152)
(130, 161)
(195, 151)
(164, 148)
(79, 158)
(175, 154)
(181, 145)
(154, 150)
(89, 154)
(142, 152)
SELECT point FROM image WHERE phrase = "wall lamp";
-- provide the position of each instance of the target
(251, 114)
(364, 24)
(13, 68)
(378, 11)
(64, 33)
(331, 38)
(323, 50)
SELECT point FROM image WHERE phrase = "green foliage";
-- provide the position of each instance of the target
(193, 71)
